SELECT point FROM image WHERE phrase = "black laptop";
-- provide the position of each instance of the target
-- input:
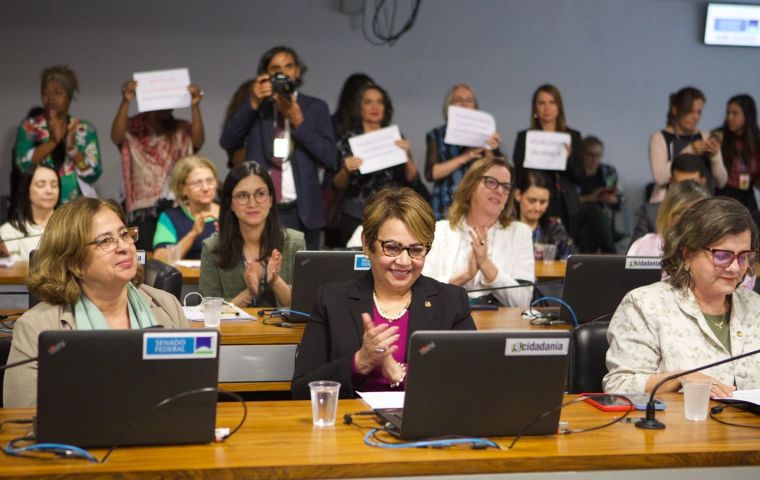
(596, 284)
(99, 387)
(312, 269)
(481, 383)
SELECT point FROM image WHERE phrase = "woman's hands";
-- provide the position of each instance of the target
(352, 164)
(717, 389)
(709, 146)
(254, 271)
(377, 348)
(196, 94)
(273, 266)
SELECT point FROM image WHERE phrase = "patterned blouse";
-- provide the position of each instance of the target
(443, 189)
(34, 131)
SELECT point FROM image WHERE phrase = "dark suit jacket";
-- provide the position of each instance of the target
(314, 142)
(334, 332)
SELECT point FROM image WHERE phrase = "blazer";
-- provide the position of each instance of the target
(335, 330)
(20, 384)
(314, 147)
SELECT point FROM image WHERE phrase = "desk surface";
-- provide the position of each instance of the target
(278, 441)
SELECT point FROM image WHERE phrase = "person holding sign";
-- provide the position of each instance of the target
(548, 115)
(150, 144)
(371, 111)
(50, 136)
(445, 164)
(291, 135)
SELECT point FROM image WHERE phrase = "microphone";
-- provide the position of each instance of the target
(650, 421)
(523, 284)
(52, 350)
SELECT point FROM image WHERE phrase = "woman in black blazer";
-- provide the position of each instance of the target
(359, 331)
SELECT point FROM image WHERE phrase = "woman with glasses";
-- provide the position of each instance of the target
(359, 332)
(86, 273)
(250, 261)
(186, 226)
(481, 246)
(698, 315)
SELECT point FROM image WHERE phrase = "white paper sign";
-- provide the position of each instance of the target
(378, 149)
(162, 89)
(546, 150)
(468, 127)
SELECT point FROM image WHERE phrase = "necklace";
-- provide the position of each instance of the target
(387, 316)
(718, 325)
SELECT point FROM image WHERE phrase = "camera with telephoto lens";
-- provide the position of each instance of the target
(282, 84)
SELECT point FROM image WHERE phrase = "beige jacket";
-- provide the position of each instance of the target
(658, 328)
(20, 385)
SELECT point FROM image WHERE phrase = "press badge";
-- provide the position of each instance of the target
(281, 148)
(744, 181)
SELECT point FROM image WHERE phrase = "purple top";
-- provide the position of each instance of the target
(375, 381)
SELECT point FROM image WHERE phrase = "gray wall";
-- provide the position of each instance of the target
(615, 62)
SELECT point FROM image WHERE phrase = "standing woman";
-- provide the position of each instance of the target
(52, 137)
(681, 135)
(445, 164)
(250, 261)
(549, 115)
(481, 245)
(150, 144)
(372, 111)
(740, 148)
(38, 196)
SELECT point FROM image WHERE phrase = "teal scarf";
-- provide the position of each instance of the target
(89, 317)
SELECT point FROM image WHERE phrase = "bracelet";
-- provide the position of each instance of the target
(403, 376)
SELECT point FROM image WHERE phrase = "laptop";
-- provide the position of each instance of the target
(312, 269)
(596, 284)
(481, 383)
(99, 387)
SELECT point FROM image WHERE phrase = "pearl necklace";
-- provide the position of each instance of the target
(390, 318)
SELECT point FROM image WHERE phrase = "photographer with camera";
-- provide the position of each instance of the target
(288, 133)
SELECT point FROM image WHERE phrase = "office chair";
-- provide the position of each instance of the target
(589, 357)
(32, 299)
(5, 350)
(163, 276)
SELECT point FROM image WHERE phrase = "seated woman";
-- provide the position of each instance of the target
(38, 196)
(532, 195)
(250, 261)
(698, 315)
(481, 245)
(194, 220)
(86, 273)
(359, 333)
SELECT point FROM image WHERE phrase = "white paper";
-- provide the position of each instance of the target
(378, 149)
(162, 89)
(468, 127)
(546, 150)
(375, 400)
(189, 263)
(195, 314)
(744, 395)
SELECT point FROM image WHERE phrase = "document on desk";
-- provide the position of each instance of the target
(751, 396)
(229, 312)
(546, 150)
(376, 400)
(378, 149)
(468, 127)
(162, 89)
(189, 263)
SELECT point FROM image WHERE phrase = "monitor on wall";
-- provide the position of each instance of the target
(736, 25)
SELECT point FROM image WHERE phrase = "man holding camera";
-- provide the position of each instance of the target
(291, 135)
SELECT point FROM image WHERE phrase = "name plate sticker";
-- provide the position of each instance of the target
(643, 263)
(361, 262)
(537, 346)
(180, 345)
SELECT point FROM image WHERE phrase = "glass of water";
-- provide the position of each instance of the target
(212, 311)
(324, 402)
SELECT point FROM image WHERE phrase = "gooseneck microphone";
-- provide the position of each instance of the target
(52, 350)
(650, 421)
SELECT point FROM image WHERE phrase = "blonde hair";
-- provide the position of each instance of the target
(460, 207)
(679, 197)
(404, 204)
(184, 168)
(450, 98)
(57, 267)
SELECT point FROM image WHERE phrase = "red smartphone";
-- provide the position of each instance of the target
(607, 403)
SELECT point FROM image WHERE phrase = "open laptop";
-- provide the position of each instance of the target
(486, 383)
(312, 269)
(596, 284)
(99, 387)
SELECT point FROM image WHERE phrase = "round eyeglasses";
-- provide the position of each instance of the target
(259, 196)
(492, 184)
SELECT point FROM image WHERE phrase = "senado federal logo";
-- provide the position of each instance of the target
(537, 346)
(163, 345)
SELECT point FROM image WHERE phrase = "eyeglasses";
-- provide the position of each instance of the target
(109, 243)
(260, 196)
(392, 248)
(724, 258)
(492, 184)
(198, 184)
(467, 100)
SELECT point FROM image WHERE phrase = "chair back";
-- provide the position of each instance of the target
(163, 276)
(5, 350)
(589, 357)
(32, 299)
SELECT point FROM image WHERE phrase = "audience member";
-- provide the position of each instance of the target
(389, 304)
(291, 135)
(481, 245)
(445, 164)
(250, 261)
(342, 117)
(51, 136)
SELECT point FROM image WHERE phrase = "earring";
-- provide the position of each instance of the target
(535, 115)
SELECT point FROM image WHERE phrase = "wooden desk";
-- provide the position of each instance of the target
(550, 271)
(278, 441)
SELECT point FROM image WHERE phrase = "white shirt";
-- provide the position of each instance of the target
(20, 245)
(510, 249)
(287, 181)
